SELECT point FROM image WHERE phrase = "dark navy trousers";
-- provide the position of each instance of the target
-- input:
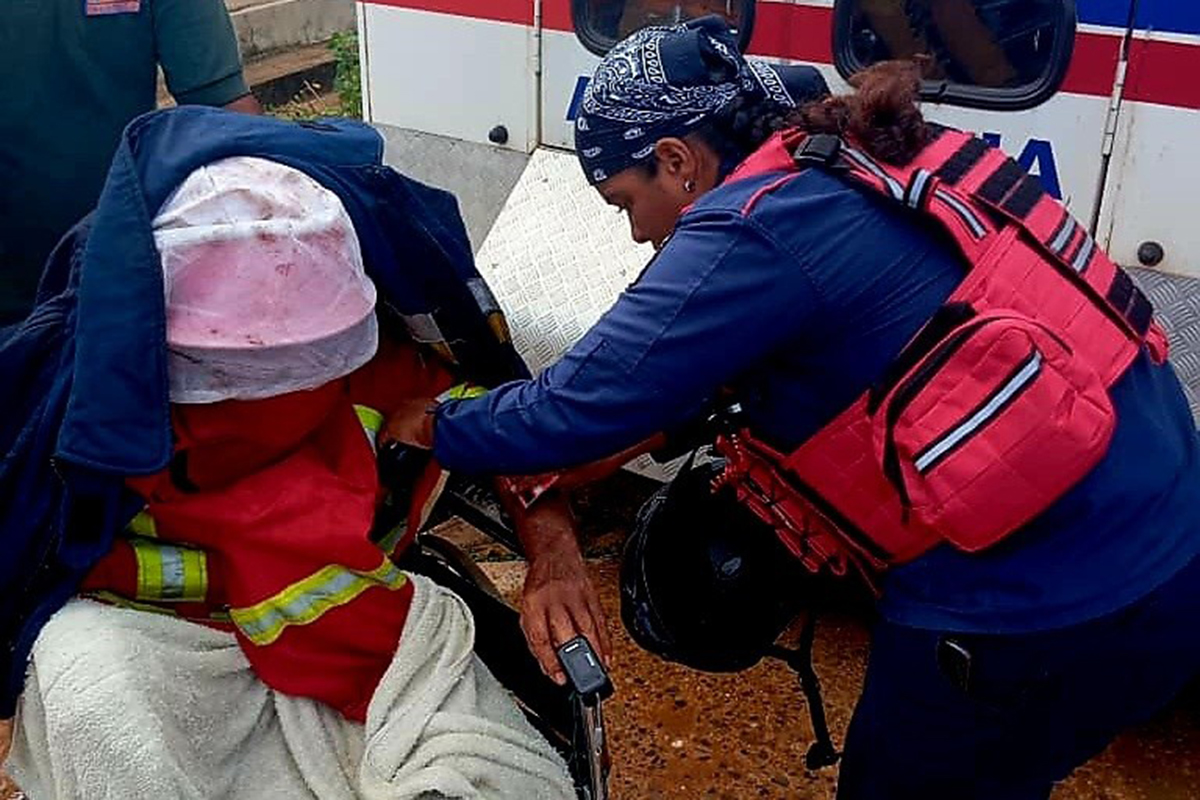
(1003, 717)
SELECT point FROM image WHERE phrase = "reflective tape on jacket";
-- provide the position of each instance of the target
(307, 600)
(169, 573)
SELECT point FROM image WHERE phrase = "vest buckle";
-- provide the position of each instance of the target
(820, 149)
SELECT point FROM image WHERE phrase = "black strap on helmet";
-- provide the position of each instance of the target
(822, 753)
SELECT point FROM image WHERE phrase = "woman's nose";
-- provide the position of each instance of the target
(639, 235)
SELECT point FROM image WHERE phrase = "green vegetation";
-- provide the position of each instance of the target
(315, 100)
(347, 82)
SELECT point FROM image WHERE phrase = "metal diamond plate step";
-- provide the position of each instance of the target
(1176, 302)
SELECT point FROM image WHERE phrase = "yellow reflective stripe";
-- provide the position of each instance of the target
(371, 421)
(143, 525)
(149, 570)
(305, 601)
(195, 575)
(463, 391)
(170, 573)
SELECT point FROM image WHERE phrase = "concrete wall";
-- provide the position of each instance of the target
(266, 25)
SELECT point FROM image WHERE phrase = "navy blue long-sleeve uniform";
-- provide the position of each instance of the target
(800, 300)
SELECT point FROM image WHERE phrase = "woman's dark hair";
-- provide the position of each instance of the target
(881, 116)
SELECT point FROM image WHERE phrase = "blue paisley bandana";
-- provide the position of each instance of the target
(667, 81)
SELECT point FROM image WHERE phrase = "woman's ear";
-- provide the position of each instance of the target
(689, 164)
(675, 159)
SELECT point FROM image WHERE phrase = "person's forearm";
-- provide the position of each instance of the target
(246, 104)
(545, 528)
(558, 601)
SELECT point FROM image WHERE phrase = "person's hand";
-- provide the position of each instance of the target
(411, 423)
(6, 734)
(559, 603)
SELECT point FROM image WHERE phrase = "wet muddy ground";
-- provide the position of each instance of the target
(676, 734)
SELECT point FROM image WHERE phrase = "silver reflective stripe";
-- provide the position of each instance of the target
(1063, 237)
(1085, 252)
(302, 608)
(980, 417)
(893, 186)
(968, 216)
(917, 187)
(173, 573)
(307, 600)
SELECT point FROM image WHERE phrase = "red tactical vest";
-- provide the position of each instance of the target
(995, 409)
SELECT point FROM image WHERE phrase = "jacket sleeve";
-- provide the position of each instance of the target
(720, 296)
(198, 51)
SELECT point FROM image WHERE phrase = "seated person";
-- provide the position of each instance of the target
(289, 655)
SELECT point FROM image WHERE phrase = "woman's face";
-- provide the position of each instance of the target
(651, 206)
(653, 198)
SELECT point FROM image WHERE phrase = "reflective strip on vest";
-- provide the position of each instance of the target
(892, 186)
(371, 421)
(305, 601)
(170, 573)
(934, 453)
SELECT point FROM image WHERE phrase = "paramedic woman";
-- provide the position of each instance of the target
(992, 674)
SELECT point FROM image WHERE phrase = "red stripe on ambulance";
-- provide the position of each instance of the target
(1157, 70)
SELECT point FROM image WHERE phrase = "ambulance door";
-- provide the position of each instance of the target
(1149, 214)
(1149, 221)
(463, 69)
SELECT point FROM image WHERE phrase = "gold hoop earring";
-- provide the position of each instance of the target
(689, 186)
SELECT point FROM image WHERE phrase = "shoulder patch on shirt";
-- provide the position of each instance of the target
(103, 8)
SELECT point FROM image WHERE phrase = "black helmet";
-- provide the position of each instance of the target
(704, 581)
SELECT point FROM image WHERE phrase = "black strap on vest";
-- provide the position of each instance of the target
(819, 150)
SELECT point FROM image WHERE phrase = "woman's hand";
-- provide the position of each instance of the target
(411, 423)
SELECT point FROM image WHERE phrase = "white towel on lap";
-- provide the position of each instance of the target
(130, 705)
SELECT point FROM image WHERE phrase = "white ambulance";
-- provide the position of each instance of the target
(1099, 98)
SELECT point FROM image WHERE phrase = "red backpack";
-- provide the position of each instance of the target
(995, 409)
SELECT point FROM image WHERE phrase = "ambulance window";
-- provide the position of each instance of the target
(600, 24)
(1001, 54)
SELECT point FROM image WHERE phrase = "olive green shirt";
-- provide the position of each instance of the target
(74, 79)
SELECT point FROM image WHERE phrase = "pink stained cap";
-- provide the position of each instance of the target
(258, 255)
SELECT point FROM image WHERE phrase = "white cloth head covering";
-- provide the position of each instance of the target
(264, 280)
